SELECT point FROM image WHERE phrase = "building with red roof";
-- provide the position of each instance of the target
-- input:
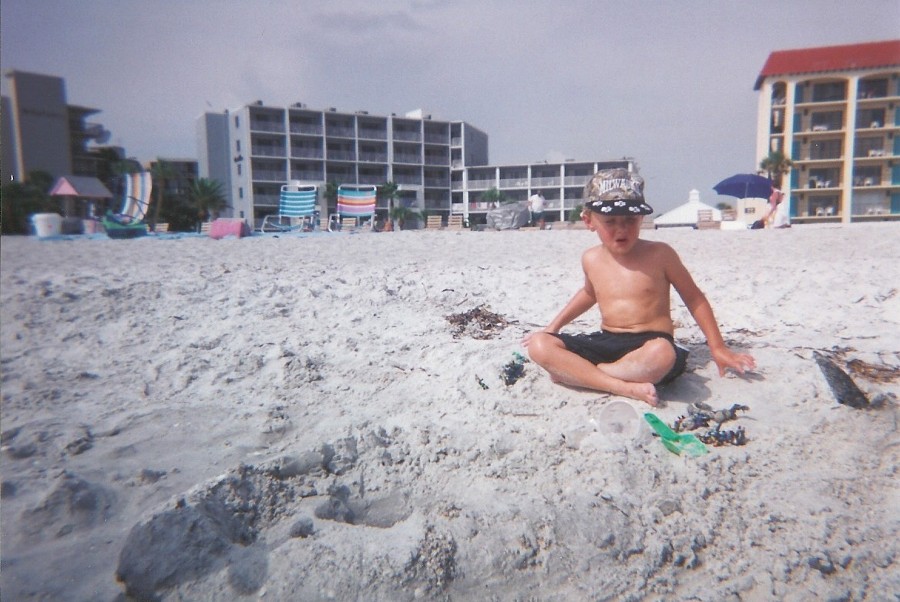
(834, 112)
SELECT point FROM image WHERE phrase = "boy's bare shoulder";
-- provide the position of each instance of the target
(657, 248)
(592, 252)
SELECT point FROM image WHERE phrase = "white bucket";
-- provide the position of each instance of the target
(46, 224)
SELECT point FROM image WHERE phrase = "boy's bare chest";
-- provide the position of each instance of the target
(614, 282)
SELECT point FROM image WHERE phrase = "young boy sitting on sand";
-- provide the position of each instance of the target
(628, 278)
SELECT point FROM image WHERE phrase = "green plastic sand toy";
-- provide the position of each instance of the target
(677, 443)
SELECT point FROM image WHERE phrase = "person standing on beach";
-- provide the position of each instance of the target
(629, 280)
(536, 203)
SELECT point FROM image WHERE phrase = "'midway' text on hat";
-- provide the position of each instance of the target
(616, 192)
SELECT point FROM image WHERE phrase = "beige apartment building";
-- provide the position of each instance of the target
(835, 112)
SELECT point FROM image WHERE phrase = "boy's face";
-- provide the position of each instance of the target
(618, 233)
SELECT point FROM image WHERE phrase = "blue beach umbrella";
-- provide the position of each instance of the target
(744, 185)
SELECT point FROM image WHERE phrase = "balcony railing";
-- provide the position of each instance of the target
(335, 155)
(267, 151)
(407, 179)
(371, 179)
(266, 126)
(482, 183)
(301, 152)
(407, 136)
(309, 129)
(306, 176)
(341, 132)
(270, 200)
(373, 157)
(372, 134)
(268, 175)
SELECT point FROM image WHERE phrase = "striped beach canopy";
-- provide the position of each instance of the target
(356, 201)
(297, 201)
(138, 187)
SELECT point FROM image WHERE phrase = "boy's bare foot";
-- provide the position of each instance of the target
(645, 392)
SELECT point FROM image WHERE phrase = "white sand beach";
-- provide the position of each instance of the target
(296, 418)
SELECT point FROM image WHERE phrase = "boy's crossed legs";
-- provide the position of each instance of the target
(628, 364)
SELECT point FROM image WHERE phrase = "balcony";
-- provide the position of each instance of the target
(306, 176)
(336, 131)
(341, 155)
(407, 158)
(265, 200)
(372, 157)
(303, 152)
(479, 184)
(306, 129)
(407, 179)
(817, 183)
(407, 136)
(267, 151)
(257, 125)
(372, 134)
(267, 175)
(433, 138)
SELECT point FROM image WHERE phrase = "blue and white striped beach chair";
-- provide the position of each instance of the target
(296, 210)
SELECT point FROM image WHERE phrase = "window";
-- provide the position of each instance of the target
(825, 149)
(241, 192)
(237, 122)
(827, 120)
(829, 92)
(869, 147)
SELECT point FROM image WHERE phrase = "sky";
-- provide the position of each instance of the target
(667, 82)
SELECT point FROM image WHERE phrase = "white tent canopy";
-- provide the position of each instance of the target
(686, 215)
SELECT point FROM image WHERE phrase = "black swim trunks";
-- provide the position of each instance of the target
(607, 347)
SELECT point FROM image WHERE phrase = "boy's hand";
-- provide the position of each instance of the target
(527, 338)
(739, 362)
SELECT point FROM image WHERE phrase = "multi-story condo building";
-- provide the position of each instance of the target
(179, 174)
(440, 167)
(835, 113)
(43, 132)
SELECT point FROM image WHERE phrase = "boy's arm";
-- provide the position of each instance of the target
(702, 312)
(580, 302)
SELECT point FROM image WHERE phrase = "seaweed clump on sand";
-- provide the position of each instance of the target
(478, 323)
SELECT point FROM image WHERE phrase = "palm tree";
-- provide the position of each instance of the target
(206, 195)
(162, 171)
(390, 192)
(494, 195)
(401, 215)
(331, 195)
(775, 166)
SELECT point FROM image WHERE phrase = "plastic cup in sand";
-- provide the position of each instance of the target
(620, 423)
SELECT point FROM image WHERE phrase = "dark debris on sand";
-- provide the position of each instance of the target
(478, 323)
(842, 386)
